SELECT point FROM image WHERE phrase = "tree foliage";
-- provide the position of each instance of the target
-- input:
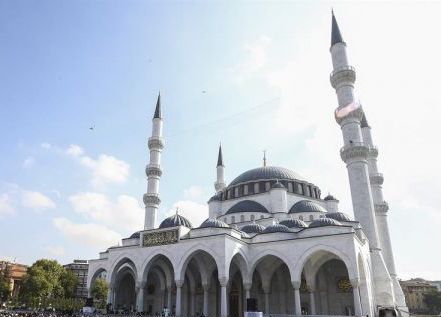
(47, 280)
(433, 302)
(5, 285)
(99, 291)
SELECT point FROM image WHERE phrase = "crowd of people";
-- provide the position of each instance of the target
(24, 313)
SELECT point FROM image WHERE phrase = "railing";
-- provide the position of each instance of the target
(342, 68)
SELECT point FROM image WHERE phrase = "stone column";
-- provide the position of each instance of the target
(169, 297)
(223, 281)
(179, 284)
(267, 303)
(110, 295)
(312, 301)
(140, 297)
(192, 302)
(206, 287)
(356, 291)
(297, 303)
(247, 288)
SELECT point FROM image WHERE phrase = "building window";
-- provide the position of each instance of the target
(245, 189)
(307, 193)
(242, 218)
(261, 217)
(236, 192)
(290, 187)
(233, 219)
(256, 188)
(299, 188)
(267, 186)
(301, 217)
(229, 194)
(311, 217)
(252, 217)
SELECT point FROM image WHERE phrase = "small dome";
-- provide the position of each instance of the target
(135, 235)
(244, 235)
(293, 223)
(278, 185)
(277, 227)
(330, 197)
(252, 228)
(215, 197)
(213, 223)
(339, 216)
(247, 206)
(323, 222)
(306, 206)
(174, 221)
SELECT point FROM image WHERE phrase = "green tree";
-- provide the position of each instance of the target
(433, 302)
(99, 291)
(45, 281)
(5, 284)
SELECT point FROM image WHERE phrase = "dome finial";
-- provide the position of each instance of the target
(264, 158)
(177, 211)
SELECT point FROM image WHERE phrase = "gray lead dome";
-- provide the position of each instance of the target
(306, 206)
(174, 221)
(339, 216)
(252, 228)
(266, 173)
(323, 222)
(293, 223)
(277, 227)
(213, 223)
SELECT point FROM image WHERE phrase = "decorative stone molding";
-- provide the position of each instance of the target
(151, 170)
(355, 114)
(354, 151)
(223, 281)
(381, 208)
(156, 143)
(376, 179)
(151, 199)
(296, 284)
(344, 75)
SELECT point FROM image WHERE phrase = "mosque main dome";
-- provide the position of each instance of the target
(266, 173)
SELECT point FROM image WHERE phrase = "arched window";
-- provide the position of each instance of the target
(236, 192)
(233, 219)
(311, 217)
(245, 189)
(261, 217)
(256, 188)
(229, 194)
(290, 187)
(242, 218)
(252, 217)
(301, 217)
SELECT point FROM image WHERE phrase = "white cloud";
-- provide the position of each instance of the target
(124, 212)
(105, 169)
(87, 234)
(6, 207)
(194, 193)
(255, 59)
(36, 200)
(55, 250)
(46, 145)
(28, 162)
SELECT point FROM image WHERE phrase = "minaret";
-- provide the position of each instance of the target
(220, 171)
(153, 169)
(381, 208)
(355, 153)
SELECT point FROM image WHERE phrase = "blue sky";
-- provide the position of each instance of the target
(69, 192)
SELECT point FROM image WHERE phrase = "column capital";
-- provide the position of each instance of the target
(247, 285)
(140, 284)
(296, 284)
(206, 287)
(223, 281)
(179, 283)
(355, 282)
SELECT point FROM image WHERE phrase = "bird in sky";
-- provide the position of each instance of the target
(92, 127)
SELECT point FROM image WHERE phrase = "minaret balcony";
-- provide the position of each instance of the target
(151, 199)
(156, 143)
(381, 208)
(354, 151)
(344, 74)
(376, 178)
(153, 170)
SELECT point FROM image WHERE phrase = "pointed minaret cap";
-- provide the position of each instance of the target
(363, 122)
(220, 161)
(335, 33)
(158, 113)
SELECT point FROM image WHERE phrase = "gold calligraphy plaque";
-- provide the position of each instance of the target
(151, 239)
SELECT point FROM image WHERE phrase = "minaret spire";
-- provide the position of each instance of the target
(335, 33)
(264, 158)
(153, 169)
(220, 172)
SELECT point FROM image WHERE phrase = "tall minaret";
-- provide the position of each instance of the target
(220, 172)
(355, 153)
(381, 208)
(153, 169)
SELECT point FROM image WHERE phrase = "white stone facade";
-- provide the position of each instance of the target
(270, 237)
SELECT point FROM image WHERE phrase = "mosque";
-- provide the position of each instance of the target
(270, 237)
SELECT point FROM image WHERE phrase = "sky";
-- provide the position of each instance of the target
(252, 75)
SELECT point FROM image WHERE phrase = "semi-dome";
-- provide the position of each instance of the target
(323, 222)
(339, 216)
(294, 223)
(174, 221)
(266, 173)
(277, 227)
(306, 206)
(135, 235)
(252, 228)
(247, 206)
(213, 223)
